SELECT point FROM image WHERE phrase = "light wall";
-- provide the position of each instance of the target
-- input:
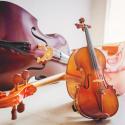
(99, 12)
(59, 16)
(115, 21)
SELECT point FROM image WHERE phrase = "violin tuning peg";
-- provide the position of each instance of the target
(82, 20)
(89, 26)
(14, 113)
(17, 79)
(77, 25)
(2, 94)
(21, 107)
(25, 74)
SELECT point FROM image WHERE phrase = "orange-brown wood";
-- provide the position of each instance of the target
(110, 49)
(100, 106)
(72, 71)
(85, 83)
(94, 98)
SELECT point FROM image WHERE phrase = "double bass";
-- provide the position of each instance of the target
(23, 46)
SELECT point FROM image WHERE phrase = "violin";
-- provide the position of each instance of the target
(23, 46)
(103, 102)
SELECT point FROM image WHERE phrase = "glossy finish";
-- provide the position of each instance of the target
(94, 98)
(102, 100)
(71, 70)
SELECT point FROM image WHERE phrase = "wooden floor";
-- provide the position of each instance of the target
(51, 105)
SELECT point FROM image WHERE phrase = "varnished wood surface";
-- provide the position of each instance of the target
(51, 105)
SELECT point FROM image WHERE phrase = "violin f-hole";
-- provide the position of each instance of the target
(87, 81)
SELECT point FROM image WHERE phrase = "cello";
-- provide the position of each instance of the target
(23, 46)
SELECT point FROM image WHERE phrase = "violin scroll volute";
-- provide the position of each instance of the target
(81, 24)
(15, 98)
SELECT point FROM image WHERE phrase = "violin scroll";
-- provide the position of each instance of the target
(81, 24)
(15, 97)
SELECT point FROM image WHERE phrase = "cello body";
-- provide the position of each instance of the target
(15, 26)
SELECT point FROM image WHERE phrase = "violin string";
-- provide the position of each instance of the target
(92, 54)
(94, 64)
(90, 49)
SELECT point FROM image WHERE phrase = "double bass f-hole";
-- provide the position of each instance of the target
(33, 30)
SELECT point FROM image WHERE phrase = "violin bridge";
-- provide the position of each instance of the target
(47, 55)
(98, 80)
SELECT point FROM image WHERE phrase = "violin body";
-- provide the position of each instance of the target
(71, 70)
(93, 96)
(91, 100)
(114, 70)
(15, 26)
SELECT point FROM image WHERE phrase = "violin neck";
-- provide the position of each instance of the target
(56, 78)
(91, 50)
(49, 80)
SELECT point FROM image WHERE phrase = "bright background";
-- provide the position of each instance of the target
(51, 105)
(59, 16)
